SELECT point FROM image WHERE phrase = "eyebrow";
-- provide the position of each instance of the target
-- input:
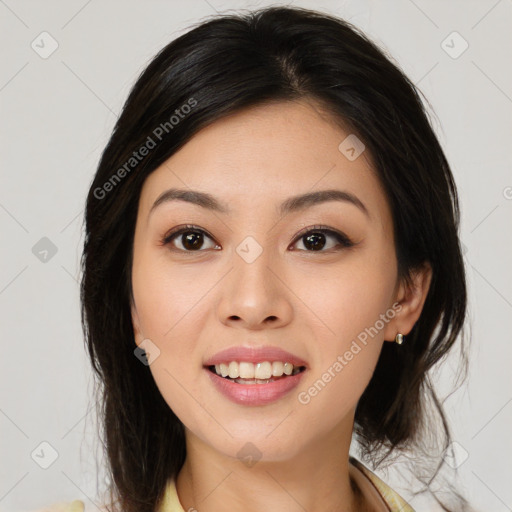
(292, 204)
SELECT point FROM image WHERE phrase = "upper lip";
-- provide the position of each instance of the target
(254, 355)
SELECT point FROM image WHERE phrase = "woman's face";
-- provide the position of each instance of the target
(257, 272)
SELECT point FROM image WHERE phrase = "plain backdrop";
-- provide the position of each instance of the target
(57, 112)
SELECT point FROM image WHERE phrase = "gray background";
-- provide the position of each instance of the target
(57, 113)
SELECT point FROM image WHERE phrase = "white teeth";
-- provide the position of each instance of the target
(234, 370)
(224, 370)
(261, 371)
(252, 381)
(246, 370)
(277, 368)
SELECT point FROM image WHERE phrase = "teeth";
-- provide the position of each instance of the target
(288, 368)
(246, 370)
(277, 368)
(260, 371)
(253, 381)
(234, 370)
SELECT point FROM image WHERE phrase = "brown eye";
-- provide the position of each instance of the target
(314, 241)
(317, 238)
(189, 239)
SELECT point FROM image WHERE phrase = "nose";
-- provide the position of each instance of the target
(255, 295)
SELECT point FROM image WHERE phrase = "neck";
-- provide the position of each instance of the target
(316, 479)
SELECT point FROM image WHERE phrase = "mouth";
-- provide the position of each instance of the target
(255, 376)
(247, 373)
(253, 390)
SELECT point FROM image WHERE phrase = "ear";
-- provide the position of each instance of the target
(411, 298)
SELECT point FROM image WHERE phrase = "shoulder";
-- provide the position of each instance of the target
(393, 500)
(68, 506)
(71, 506)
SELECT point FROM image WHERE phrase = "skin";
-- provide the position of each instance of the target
(311, 303)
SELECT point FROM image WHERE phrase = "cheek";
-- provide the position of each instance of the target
(172, 311)
(166, 295)
(347, 300)
(349, 305)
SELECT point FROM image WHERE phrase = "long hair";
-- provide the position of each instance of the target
(222, 66)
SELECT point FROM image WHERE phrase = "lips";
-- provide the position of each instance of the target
(255, 392)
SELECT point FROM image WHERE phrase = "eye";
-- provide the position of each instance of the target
(316, 239)
(188, 239)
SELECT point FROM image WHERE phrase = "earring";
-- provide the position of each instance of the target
(399, 338)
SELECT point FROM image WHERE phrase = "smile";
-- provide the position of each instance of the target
(245, 372)
(255, 384)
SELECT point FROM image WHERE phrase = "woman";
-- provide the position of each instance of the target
(271, 268)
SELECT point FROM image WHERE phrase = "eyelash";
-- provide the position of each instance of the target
(342, 239)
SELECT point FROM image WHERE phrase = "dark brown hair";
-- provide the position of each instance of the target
(221, 66)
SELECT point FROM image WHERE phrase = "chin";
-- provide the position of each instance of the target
(253, 447)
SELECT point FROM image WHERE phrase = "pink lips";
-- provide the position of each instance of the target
(254, 394)
(254, 355)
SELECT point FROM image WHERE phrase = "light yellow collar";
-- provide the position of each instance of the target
(394, 501)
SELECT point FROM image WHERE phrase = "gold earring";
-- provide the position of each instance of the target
(399, 338)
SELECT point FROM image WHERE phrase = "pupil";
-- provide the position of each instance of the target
(192, 241)
(313, 241)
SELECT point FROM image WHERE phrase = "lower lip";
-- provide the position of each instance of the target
(255, 394)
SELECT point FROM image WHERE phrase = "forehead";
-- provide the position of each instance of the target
(267, 153)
